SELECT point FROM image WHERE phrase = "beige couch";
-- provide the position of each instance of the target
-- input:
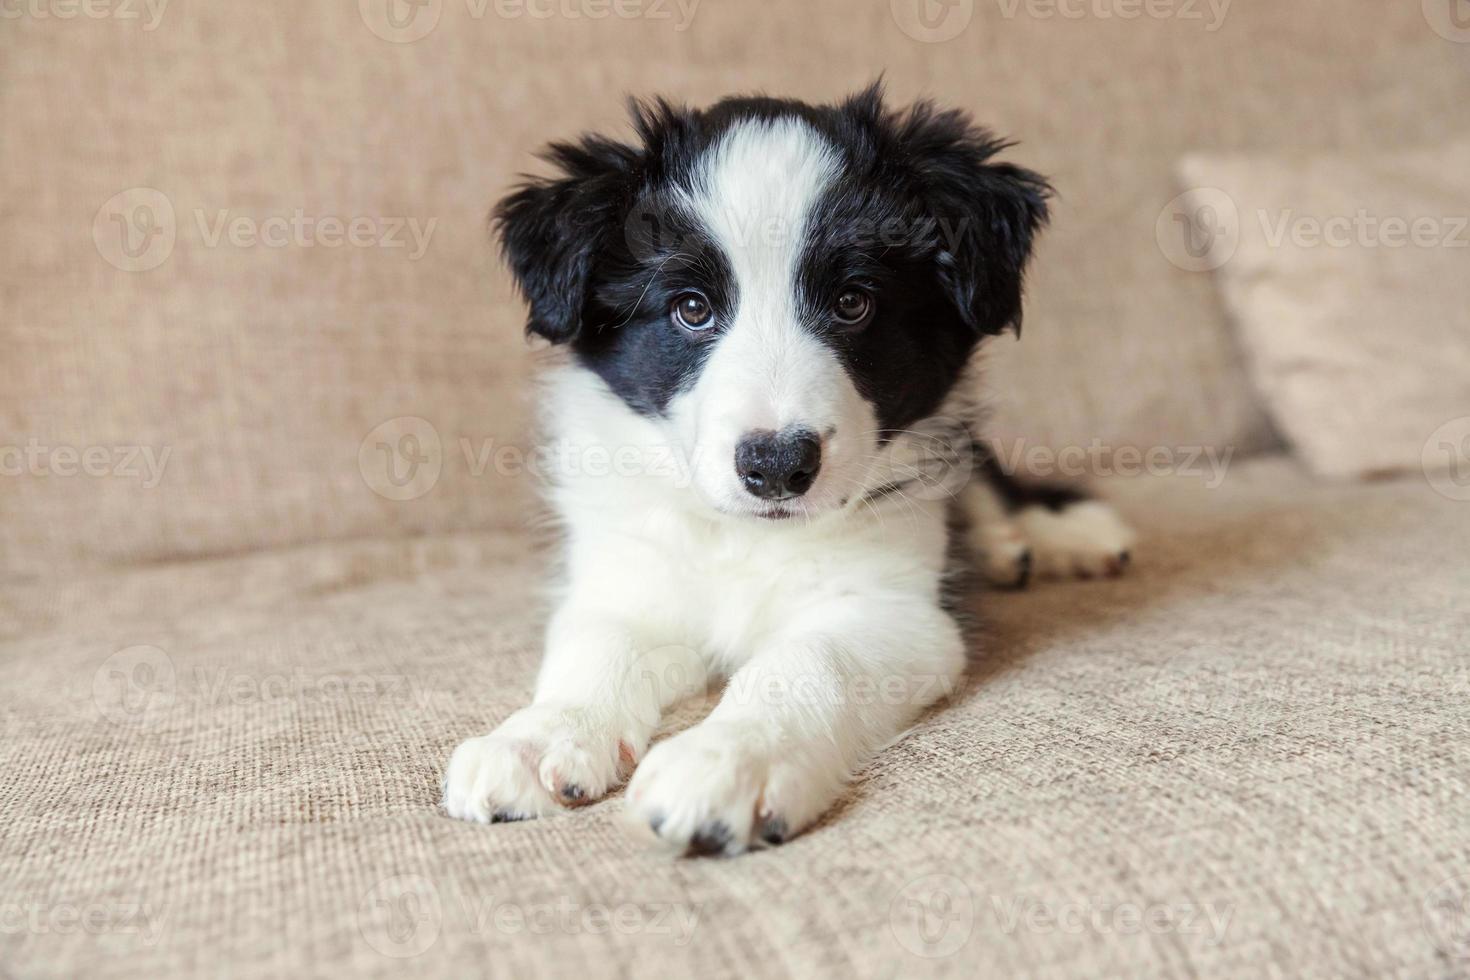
(235, 648)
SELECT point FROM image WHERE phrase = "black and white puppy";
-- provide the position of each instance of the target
(786, 299)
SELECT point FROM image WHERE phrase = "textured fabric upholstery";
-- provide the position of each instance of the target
(1246, 758)
(262, 370)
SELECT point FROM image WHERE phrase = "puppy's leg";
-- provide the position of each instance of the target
(1053, 531)
(601, 692)
(808, 710)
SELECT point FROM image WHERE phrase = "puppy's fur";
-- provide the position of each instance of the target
(779, 454)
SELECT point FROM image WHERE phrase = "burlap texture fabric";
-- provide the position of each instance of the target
(1247, 758)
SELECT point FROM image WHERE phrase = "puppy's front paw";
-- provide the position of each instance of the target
(540, 759)
(1086, 539)
(724, 787)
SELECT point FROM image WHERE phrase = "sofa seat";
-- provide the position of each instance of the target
(1246, 756)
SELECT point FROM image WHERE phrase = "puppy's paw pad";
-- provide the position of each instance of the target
(1083, 540)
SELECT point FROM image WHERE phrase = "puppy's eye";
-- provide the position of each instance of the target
(853, 308)
(692, 312)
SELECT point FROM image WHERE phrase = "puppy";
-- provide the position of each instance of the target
(771, 310)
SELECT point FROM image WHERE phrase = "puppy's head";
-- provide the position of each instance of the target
(783, 288)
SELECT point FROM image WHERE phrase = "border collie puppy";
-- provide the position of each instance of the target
(771, 310)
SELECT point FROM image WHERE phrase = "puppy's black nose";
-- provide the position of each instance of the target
(777, 466)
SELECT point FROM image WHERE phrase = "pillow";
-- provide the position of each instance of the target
(1348, 279)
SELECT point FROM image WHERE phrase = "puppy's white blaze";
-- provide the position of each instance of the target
(755, 194)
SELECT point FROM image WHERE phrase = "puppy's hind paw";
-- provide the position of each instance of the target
(1086, 539)
(1003, 553)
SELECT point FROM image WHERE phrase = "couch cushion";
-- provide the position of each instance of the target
(1244, 758)
(262, 352)
(1346, 278)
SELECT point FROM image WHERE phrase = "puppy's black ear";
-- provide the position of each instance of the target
(552, 230)
(986, 214)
